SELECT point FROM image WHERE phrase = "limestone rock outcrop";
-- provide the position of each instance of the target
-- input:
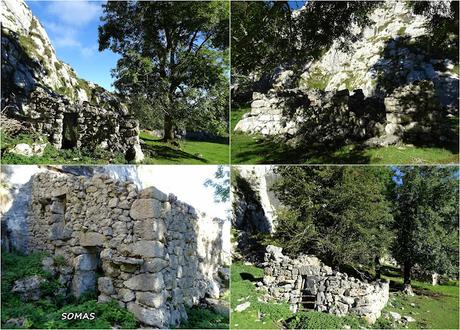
(253, 202)
(308, 284)
(41, 90)
(28, 288)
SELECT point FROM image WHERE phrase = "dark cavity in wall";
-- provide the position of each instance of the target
(69, 131)
(87, 269)
(308, 296)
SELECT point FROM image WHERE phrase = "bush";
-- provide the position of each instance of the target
(46, 313)
(200, 318)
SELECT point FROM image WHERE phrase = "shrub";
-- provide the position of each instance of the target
(201, 318)
(314, 320)
(46, 313)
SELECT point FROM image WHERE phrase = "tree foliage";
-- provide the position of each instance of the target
(442, 25)
(173, 54)
(426, 219)
(338, 213)
(277, 37)
(221, 184)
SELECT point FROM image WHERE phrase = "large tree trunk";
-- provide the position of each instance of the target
(407, 286)
(168, 129)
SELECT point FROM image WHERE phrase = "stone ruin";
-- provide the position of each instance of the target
(147, 250)
(49, 99)
(306, 116)
(100, 121)
(308, 284)
(315, 117)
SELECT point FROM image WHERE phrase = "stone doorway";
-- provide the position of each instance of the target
(307, 294)
(69, 130)
(88, 267)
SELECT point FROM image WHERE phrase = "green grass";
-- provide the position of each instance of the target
(46, 313)
(410, 155)
(243, 279)
(435, 307)
(256, 149)
(190, 152)
(199, 318)
(155, 151)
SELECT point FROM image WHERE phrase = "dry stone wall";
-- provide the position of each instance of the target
(410, 113)
(146, 245)
(314, 116)
(307, 283)
(386, 88)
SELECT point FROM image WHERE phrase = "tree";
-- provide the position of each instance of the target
(171, 52)
(221, 184)
(276, 36)
(442, 26)
(426, 219)
(338, 213)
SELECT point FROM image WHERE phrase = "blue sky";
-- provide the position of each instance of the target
(296, 4)
(72, 28)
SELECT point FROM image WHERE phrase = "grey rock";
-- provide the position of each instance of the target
(28, 288)
(146, 282)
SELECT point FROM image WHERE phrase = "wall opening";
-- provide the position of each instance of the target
(69, 131)
(87, 269)
(307, 294)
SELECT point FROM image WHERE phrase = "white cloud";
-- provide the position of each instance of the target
(75, 13)
(65, 21)
(65, 36)
(87, 52)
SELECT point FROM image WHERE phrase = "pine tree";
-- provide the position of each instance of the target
(426, 220)
(340, 214)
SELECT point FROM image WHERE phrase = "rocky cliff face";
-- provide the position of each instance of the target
(392, 44)
(35, 61)
(253, 202)
(47, 94)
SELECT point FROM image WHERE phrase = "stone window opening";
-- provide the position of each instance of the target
(69, 131)
(307, 296)
(43, 203)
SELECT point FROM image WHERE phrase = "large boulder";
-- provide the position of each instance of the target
(28, 288)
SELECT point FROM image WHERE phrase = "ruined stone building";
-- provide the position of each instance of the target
(47, 95)
(147, 250)
(308, 284)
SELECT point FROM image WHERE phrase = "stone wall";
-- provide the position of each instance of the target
(101, 122)
(410, 113)
(314, 116)
(148, 247)
(47, 95)
(385, 88)
(308, 284)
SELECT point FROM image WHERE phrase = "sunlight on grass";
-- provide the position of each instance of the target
(256, 149)
(189, 152)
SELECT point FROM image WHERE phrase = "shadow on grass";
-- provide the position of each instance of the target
(215, 139)
(273, 151)
(169, 153)
(260, 150)
(250, 277)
